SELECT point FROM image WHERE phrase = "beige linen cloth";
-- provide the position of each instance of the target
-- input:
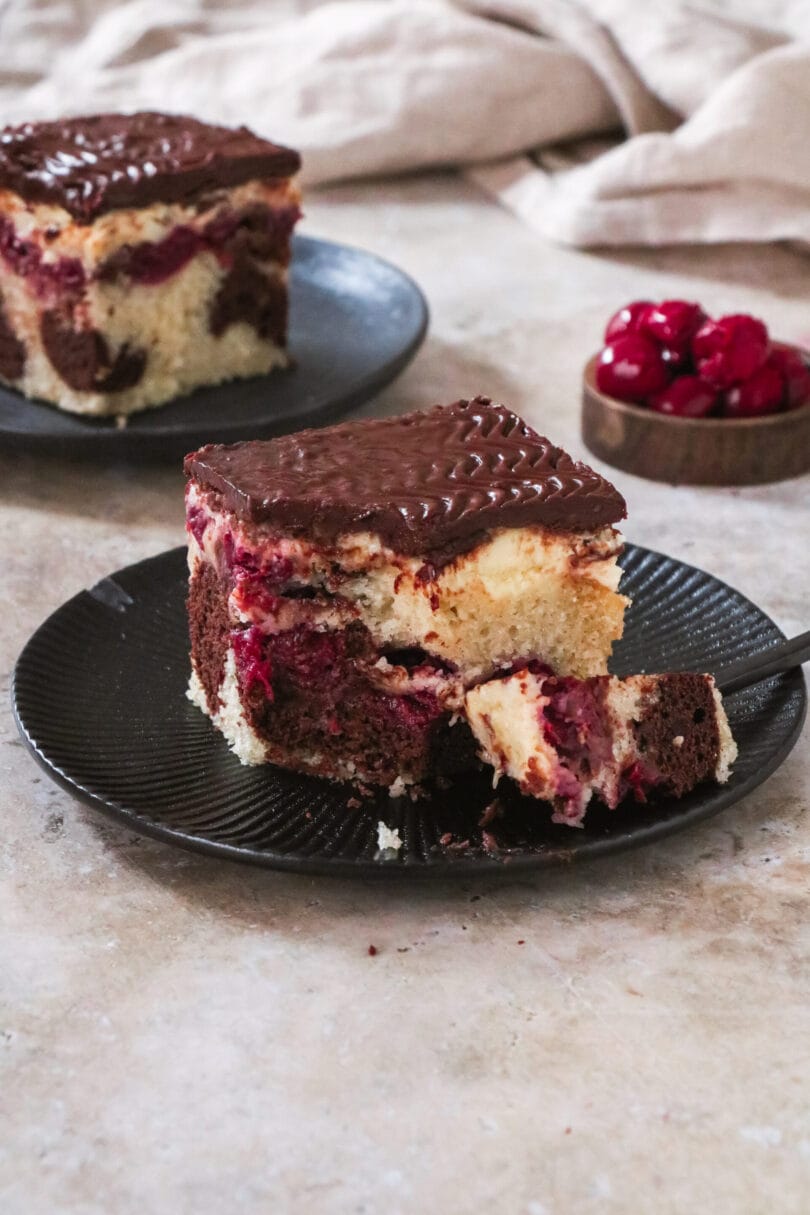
(599, 122)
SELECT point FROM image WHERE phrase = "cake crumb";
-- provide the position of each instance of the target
(388, 838)
(453, 845)
(372, 951)
(677, 740)
(121, 421)
(491, 812)
(398, 788)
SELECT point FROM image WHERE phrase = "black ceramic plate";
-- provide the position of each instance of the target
(355, 321)
(99, 698)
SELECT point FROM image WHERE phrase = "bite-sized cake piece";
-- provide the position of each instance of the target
(141, 256)
(349, 585)
(565, 740)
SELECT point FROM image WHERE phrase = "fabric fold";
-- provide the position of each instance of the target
(709, 109)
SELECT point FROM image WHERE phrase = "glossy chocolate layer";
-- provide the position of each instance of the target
(422, 481)
(107, 161)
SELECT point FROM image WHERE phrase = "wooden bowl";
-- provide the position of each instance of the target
(693, 451)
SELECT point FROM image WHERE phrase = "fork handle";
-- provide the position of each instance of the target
(774, 660)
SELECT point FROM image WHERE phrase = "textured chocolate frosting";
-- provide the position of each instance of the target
(107, 161)
(423, 482)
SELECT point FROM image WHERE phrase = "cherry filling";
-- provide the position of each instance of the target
(307, 689)
(574, 723)
(253, 663)
(197, 521)
(275, 570)
(304, 655)
(152, 262)
(637, 779)
(238, 560)
(258, 230)
(65, 276)
(261, 582)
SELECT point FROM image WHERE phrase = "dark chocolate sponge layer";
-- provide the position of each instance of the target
(322, 699)
(421, 481)
(685, 708)
(104, 162)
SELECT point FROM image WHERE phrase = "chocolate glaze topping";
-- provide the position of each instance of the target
(107, 161)
(421, 481)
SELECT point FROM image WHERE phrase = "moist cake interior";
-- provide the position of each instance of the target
(567, 740)
(348, 586)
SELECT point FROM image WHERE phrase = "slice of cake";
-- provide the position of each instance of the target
(349, 585)
(564, 740)
(141, 256)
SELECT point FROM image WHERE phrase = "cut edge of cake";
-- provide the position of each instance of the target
(565, 740)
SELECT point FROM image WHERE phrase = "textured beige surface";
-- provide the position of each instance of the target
(179, 1035)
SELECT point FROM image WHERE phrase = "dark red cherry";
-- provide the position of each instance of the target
(686, 397)
(631, 368)
(673, 323)
(679, 362)
(761, 394)
(626, 320)
(795, 372)
(730, 350)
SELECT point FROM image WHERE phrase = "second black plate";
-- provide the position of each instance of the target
(355, 321)
(99, 695)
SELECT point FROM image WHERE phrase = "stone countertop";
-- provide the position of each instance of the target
(186, 1035)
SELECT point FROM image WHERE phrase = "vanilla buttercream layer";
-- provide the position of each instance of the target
(169, 323)
(520, 593)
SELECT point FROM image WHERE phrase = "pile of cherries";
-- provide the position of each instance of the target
(673, 358)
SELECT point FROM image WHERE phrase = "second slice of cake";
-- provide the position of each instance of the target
(350, 585)
(141, 256)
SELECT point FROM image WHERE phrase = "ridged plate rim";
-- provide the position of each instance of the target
(710, 799)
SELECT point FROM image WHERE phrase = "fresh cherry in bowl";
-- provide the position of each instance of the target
(674, 359)
(679, 396)
(631, 368)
